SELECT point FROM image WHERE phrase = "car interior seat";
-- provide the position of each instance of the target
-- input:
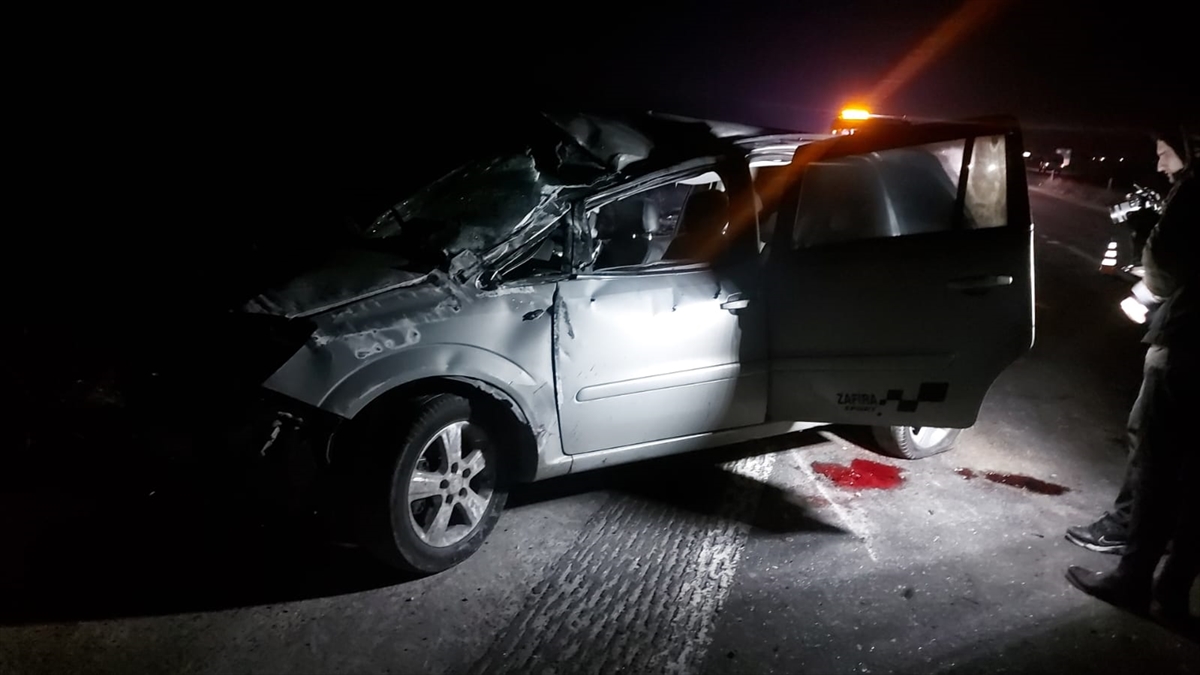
(701, 226)
(620, 227)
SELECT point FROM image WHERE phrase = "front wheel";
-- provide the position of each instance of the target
(914, 442)
(434, 485)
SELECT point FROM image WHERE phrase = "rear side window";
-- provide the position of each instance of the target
(904, 191)
(987, 184)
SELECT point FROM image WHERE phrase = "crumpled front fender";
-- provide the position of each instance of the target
(482, 368)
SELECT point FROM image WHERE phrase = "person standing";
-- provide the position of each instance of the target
(1156, 506)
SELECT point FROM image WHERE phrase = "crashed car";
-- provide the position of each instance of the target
(640, 286)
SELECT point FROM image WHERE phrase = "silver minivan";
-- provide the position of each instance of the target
(640, 286)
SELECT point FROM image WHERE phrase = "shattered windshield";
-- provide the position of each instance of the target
(473, 208)
(489, 207)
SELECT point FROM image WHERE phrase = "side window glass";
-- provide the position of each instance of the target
(903, 191)
(987, 184)
(664, 223)
(769, 183)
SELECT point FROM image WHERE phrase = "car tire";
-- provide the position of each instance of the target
(914, 442)
(433, 483)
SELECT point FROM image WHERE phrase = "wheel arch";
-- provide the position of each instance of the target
(479, 374)
(496, 404)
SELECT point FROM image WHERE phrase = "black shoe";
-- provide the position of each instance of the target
(1113, 588)
(1104, 535)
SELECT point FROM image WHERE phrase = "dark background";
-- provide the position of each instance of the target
(267, 99)
(164, 159)
(166, 165)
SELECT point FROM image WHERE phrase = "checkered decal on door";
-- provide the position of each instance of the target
(929, 392)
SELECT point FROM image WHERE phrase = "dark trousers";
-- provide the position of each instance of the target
(1122, 511)
(1162, 481)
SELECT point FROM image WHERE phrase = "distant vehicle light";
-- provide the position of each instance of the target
(855, 114)
(1027, 154)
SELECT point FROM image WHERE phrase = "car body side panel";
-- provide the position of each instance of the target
(867, 327)
(894, 350)
(651, 356)
(681, 444)
(499, 339)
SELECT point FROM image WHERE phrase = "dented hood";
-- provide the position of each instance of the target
(347, 276)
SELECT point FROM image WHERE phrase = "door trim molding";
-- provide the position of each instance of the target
(681, 378)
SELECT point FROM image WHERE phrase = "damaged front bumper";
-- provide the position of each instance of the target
(288, 442)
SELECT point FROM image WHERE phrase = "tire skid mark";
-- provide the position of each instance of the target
(639, 590)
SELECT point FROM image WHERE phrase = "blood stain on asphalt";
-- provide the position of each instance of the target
(861, 474)
(1029, 483)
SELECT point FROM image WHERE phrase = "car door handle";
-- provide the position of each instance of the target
(735, 302)
(980, 282)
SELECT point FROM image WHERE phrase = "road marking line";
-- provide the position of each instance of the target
(1075, 201)
(724, 556)
(640, 589)
(1069, 248)
(1072, 249)
(852, 521)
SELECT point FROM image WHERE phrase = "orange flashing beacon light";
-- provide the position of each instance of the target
(849, 119)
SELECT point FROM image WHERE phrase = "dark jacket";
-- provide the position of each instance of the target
(1171, 259)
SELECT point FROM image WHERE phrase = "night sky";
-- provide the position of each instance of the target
(1072, 73)
(792, 64)
(789, 64)
(271, 86)
(213, 126)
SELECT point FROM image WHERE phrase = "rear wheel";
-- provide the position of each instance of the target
(434, 485)
(914, 442)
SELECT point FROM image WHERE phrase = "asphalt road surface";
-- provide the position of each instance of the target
(760, 558)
